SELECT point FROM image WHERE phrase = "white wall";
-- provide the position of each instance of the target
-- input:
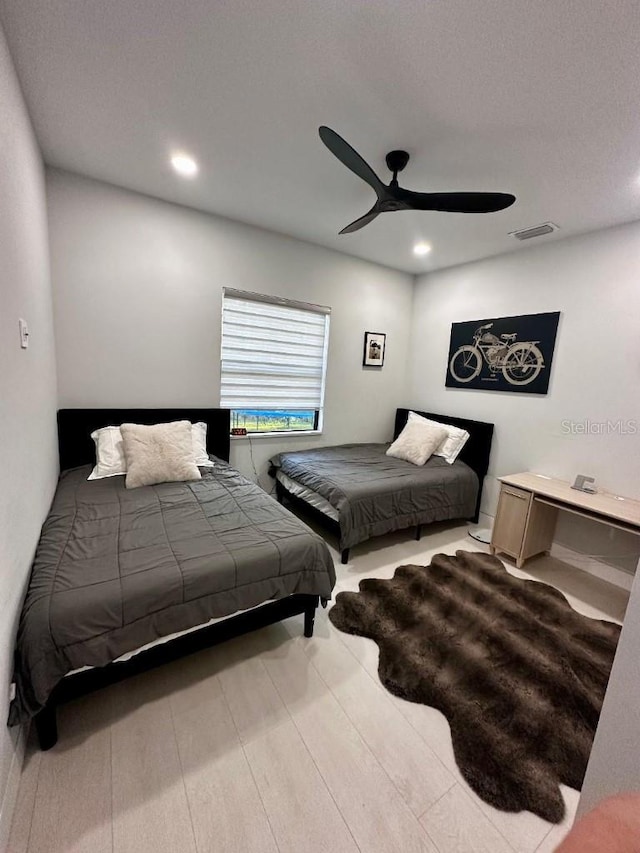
(138, 289)
(613, 765)
(594, 281)
(28, 449)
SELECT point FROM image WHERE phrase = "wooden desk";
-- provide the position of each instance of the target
(528, 510)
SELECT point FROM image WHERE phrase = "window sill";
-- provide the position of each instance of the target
(279, 434)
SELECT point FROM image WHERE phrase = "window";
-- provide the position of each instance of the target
(273, 362)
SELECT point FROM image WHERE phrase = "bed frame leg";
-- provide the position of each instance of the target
(418, 532)
(309, 619)
(344, 556)
(47, 727)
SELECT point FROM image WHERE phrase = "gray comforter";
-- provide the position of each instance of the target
(375, 493)
(118, 568)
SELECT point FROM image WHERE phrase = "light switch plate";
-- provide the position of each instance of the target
(24, 334)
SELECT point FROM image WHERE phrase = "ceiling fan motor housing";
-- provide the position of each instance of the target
(397, 160)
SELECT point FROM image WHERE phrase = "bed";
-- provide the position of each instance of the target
(358, 492)
(126, 579)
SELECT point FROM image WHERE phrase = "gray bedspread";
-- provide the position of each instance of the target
(118, 568)
(375, 493)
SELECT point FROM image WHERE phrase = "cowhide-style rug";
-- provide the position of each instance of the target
(518, 673)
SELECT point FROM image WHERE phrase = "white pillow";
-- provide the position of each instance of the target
(453, 443)
(161, 453)
(110, 458)
(417, 442)
(199, 437)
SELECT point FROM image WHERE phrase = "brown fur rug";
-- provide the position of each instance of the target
(518, 673)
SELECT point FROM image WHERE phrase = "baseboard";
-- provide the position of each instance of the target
(590, 565)
(11, 791)
(593, 566)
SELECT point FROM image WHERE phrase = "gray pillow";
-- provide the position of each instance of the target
(162, 453)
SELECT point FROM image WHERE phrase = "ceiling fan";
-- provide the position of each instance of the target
(393, 197)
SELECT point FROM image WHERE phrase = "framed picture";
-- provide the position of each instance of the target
(503, 353)
(374, 343)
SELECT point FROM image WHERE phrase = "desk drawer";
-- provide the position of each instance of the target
(515, 492)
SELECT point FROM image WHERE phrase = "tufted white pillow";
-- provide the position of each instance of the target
(162, 453)
(453, 443)
(417, 442)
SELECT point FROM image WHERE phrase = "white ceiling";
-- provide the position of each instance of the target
(534, 97)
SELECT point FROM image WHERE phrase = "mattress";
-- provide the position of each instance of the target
(373, 493)
(132, 654)
(119, 568)
(308, 496)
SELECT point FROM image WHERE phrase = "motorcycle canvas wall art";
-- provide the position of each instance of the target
(503, 353)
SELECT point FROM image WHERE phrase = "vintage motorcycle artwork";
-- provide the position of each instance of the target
(519, 362)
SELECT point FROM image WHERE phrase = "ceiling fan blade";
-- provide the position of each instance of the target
(350, 158)
(357, 224)
(459, 202)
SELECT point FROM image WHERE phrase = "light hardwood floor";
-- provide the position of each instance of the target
(277, 743)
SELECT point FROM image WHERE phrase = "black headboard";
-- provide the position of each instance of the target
(476, 451)
(76, 425)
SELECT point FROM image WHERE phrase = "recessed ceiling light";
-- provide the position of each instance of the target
(421, 249)
(184, 165)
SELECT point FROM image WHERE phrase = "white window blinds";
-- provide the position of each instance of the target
(274, 353)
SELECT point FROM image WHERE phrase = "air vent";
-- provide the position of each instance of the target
(535, 231)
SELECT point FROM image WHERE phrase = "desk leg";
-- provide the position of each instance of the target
(539, 532)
